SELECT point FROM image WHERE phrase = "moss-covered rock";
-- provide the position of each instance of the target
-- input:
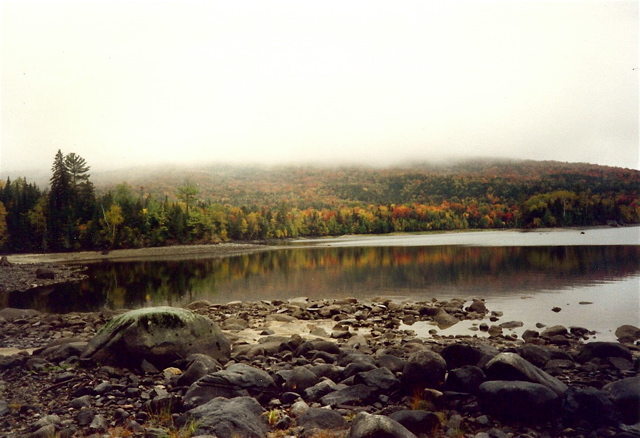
(159, 335)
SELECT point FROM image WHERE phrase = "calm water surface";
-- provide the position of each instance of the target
(522, 274)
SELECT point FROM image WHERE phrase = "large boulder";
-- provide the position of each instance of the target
(510, 366)
(459, 355)
(589, 406)
(538, 355)
(625, 394)
(465, 379)
(603, 350)
(518, 401)
(159, 335)
(378, 426)
(236, 380)
(229, 418)
(424, 369)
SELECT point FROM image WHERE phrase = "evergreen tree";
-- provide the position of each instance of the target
(82, 190)
(60, 221)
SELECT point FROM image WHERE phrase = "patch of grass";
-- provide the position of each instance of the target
(273, 416)
(350, 416)
(119, 432)
(163, 418)
(420, 402)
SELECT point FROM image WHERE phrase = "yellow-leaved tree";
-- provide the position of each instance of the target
(4, 233)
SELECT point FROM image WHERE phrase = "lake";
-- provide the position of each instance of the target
(593, 275)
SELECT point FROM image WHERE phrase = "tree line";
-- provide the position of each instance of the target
(71, 214)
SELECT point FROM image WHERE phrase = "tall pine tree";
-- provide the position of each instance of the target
(82, 190)
(60, 226)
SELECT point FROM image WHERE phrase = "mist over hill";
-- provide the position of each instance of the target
(313, 185)
(155, 206)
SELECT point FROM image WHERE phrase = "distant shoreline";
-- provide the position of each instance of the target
(181, 252)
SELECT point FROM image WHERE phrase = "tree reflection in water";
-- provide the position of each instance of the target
(362, 272)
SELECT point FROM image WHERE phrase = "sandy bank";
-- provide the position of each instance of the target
(165, 253)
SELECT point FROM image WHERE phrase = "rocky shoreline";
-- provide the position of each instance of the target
(319, 369)
(24, 276)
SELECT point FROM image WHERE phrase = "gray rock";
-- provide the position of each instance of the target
(299, 408)
(229, 418)
(628, 333)
(557, 367)
(45, 274)
(589, 405)
(347, 357)
(319, 390)
(46, 420)
(530, 335)
(458, 355)
(318, 418)
(492, 433)
(81, 402)
(391, 362)
(625, 394)
(99, 424)
(237, 380)
(454, 424)
(317, 345)
(378, 426)
(424, 369)
(556, 330)
(518, 401)
(510, 366)
(465, 379)
(379, 379)
(11, 313)
(536, 354)
(44, 432)
(620, 363)
(351, 395)
(417, 421)
(357, 367)
(511, 324)
(155, 432)
(62, 351)
(198, 365)
(300, 379)
(159, 335)
(478, 306)
(329, 371)
(270, 348)
(85, 417)
(4, 408)
(444, 320)
(235, 324)
(603, 350)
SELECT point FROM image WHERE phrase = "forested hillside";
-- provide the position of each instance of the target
(204, 204)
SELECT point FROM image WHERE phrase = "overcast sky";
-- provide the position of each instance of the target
(378, 82)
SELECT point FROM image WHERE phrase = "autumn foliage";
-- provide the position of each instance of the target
(222, 203)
